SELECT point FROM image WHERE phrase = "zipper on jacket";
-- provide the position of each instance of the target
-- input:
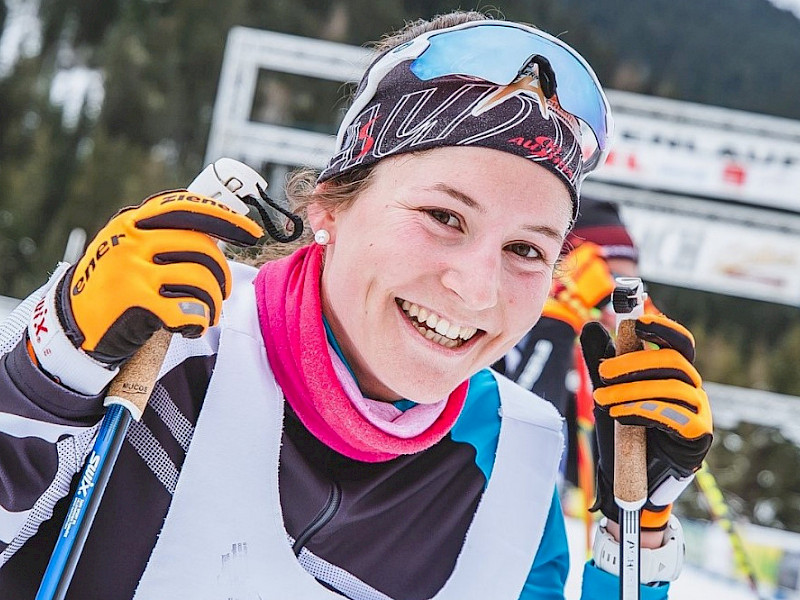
(323, 518)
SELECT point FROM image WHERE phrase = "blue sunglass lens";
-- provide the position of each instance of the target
(489, 53)
(496, 53)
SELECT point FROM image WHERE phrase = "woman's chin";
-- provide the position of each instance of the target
(421, 391)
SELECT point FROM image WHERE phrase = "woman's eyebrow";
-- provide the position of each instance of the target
(545, 230)
(475, 205)
(458, 195)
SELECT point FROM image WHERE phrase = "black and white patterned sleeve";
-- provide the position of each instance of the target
(46, 431)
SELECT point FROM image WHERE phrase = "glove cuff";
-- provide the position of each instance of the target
(655, 519)
(668, 490)
(659, 503)
(655, 564)
(58, 356)
(604, 500)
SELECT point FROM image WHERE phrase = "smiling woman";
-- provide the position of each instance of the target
(336, 432)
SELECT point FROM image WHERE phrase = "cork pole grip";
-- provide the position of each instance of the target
(630, 448)
(134, 384)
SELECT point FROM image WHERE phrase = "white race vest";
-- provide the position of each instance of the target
(224, 538)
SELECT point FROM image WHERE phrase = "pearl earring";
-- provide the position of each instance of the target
(322, 237)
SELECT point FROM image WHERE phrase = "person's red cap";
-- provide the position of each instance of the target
(599, 222)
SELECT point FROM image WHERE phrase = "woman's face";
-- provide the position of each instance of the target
(464, 239)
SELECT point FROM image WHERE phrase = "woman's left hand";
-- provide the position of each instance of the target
(659, 389)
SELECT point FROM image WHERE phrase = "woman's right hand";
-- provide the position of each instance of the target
(155, 265)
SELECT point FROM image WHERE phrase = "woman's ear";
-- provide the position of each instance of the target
(320, 217)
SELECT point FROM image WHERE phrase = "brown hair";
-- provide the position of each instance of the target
(413, 29)
(301, 191)
(341, 191)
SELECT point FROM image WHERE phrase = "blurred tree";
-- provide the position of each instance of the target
(756, 466)
(739, 341)
(782, 367)
(715, 52)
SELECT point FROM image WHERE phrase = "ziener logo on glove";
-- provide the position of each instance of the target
(102, 248)
(191, 198)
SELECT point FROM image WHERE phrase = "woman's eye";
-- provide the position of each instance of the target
(525, 250)
(445, 217)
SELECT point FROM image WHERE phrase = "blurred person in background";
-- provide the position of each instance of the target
(597, 249)
(548, 361)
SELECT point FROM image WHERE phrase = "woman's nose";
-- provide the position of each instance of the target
(475, 277)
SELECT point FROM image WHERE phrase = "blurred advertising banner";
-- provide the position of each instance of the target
(719, 256)
(686, 148)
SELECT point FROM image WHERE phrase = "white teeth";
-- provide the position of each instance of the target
(453, 332)
(436, 328)
(442, 327)
(467, 332)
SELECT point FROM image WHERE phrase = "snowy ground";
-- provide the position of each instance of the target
(693, 584)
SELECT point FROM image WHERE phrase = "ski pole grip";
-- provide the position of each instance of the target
(630, 447)
(630, 441)
(135, 381)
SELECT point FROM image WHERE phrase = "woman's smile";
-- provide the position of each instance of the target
(436, 328)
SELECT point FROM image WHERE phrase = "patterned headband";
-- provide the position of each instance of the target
(407, 114)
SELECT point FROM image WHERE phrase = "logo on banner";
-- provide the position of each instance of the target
(734, 173)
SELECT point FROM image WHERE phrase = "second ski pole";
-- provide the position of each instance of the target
(630, 456)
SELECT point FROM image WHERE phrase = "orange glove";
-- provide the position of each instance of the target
(660, 390)
(152, 265)
(584, 284)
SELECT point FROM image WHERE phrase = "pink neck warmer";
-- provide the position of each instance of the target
(290, 313)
